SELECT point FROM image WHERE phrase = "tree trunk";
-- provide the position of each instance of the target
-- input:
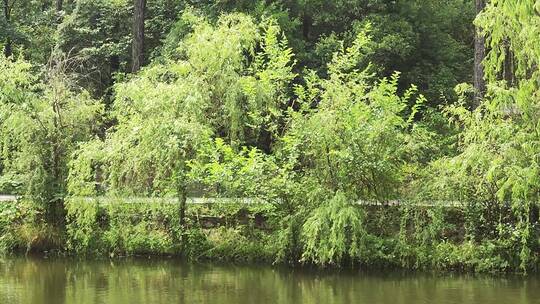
(182, 197)
(137, 46)
(306, 25)
(7, 15)
(7, 48)
(59, 5)
(479, 55)
(508, 72)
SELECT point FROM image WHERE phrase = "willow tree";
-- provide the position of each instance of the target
(43, 118)
(160, 127)
(497, 169)
(214, 85)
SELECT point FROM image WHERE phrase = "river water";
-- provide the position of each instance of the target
(31, 280)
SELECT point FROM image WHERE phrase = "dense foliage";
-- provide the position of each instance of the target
(41, 124)
(344, 131)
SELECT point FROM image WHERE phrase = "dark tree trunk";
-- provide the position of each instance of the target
(306, 25)
(7, 48)
(509, 67)
(7, 15)
(182, 197)
(139, 7)
(479, 55)
(59, 5)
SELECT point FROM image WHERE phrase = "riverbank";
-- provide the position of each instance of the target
(408, 237)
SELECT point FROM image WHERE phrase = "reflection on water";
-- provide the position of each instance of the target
(59, 281)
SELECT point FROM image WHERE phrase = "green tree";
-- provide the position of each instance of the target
(168, 113)
(496, 171)
(359, 142)
(42, 120)
(357, 138)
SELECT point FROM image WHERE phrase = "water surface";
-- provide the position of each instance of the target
(33, 280)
